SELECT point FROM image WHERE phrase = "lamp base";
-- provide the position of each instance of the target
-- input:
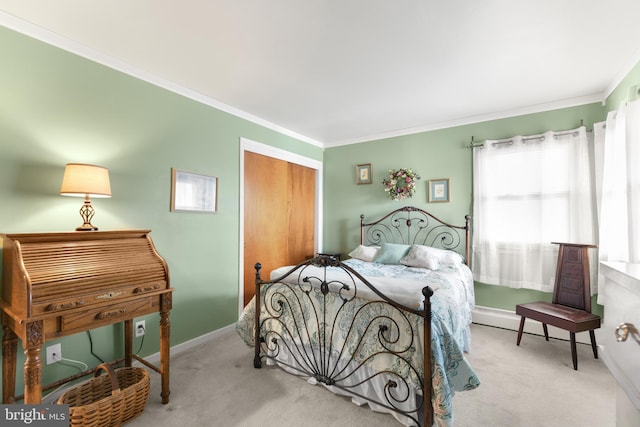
(86, 212)
(87, 227)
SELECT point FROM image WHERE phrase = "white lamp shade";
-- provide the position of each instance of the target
(85, 180)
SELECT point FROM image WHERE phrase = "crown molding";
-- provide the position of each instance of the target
(49, 37)
(572, 102)
(621, 76)
(21, 26)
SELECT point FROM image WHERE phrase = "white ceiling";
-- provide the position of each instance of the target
(342, 71)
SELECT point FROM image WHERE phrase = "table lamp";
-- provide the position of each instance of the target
(82, 180)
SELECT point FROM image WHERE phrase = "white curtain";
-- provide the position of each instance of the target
(617, 145)
(529, 192)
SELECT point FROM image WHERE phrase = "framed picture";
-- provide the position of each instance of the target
(363, 174)
(192, 192)
(438, 190)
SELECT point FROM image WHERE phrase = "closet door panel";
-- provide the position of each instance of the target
(279, 215)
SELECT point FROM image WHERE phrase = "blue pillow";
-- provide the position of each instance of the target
(391, 253)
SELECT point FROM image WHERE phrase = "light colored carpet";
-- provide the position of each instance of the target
(215, 384)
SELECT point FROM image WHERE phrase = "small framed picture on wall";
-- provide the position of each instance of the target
(363, 174)
(438, 190)
(193, 192)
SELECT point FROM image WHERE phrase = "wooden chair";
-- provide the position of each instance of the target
(570, 308)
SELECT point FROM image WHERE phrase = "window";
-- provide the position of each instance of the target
(529, 192)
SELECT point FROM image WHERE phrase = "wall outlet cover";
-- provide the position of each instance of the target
(140, 328)
(54, 353)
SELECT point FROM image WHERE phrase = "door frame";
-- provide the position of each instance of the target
(277, 153)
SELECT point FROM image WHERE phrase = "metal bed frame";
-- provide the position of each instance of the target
(309, 340)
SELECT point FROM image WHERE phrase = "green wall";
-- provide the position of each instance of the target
(55, 108)
(435, 154)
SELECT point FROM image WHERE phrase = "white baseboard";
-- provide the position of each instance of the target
(154, 359)
(496, 317)
(499, 318)
(508, 319)
(188, 345)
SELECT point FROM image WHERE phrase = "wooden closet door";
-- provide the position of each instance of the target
(301, 213)
(279, 215)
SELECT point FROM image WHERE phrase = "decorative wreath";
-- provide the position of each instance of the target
(400, 184)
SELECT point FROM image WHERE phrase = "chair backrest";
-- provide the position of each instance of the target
(573, 284)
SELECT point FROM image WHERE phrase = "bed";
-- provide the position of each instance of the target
(374, 326)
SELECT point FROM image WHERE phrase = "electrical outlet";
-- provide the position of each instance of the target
(140, 328)
(54, 353)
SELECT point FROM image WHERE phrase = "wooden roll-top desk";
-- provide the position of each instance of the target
(58, 284)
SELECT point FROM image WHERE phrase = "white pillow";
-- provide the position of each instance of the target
(429, 257)
(365, 253)
(450, 258)
(421, 256)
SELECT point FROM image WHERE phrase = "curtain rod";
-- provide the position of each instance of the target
(509, 141)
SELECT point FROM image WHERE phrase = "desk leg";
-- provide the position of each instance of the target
(165, 329)
(33, 363)
(9, 352)
(128, 342)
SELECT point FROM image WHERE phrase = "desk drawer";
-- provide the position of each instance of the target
(108, 314)
(63, 301)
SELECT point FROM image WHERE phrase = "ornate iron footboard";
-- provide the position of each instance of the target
(330, 334)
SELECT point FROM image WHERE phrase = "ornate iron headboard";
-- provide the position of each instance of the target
(410, 225)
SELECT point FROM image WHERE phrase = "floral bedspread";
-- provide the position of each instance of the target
(451, 307)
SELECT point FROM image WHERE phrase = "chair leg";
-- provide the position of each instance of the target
(520, 329)
(546, 331)
(592, 335)
(574, 354)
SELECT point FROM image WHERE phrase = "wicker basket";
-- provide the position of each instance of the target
(108, 400)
